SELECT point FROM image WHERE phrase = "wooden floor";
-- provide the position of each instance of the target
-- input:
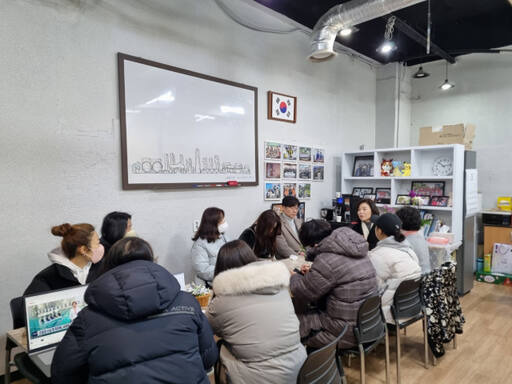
(483, 354)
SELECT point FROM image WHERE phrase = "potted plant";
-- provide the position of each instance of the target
(201, 293)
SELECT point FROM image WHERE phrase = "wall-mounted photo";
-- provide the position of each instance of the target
(289, 152)
(276, 207)
(282, 107)
(301, 215)
(439, 201)
(272, 151)
(363, 166)
(273, 191)
(370, 196)
(428, 188)
(361, 191)
(304, 172)
(383, 195)
(305, 153)
(318, 173)
(304, 190)
(290, 189)
(289, 171)
(272, 170)
(403, 200)
(318, 155)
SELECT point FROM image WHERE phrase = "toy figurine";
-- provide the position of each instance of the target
(386, 167)
(407, 169)
(397, 168)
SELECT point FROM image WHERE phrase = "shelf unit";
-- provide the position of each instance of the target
(422, 160)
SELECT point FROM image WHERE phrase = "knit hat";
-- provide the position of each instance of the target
(389, 223)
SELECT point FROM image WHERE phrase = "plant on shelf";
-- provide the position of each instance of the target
(415, 199)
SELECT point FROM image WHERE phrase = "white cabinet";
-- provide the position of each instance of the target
(422, 160)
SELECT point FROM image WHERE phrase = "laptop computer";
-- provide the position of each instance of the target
(48, 316)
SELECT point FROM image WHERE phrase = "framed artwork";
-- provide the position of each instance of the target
(289, 171)
(289, 152)
(304, 172)
(318, 155)
(439, 201)
(272, 170)
(273, 191)
(276, 207)
(361, 191)
(369, 197)
(383, 195)
(363, 166)
(304, 191)
(171, 119)
(272, 151)
(305, 153)
(403, 200)
(282, 107)
(290, 189)
(302, 211)
(428, 188)
(318, 172)
(422, 200)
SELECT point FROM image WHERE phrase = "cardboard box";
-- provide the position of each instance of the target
(494, 278)
(448, 134)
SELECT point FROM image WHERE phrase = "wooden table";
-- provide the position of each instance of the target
(19, 338)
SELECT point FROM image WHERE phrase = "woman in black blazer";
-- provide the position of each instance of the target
(366, 211)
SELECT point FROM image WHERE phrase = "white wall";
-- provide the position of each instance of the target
(60, 129)
(482, 96)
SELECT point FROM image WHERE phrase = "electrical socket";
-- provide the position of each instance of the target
(195, 226)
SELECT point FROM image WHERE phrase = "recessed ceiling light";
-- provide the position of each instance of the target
(387, 47)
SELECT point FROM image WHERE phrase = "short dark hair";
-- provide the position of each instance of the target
(114, 227)
(290, 201)
(411, 219)
(126, 250)
(314, 231)
(209, 226)
(234, 254)
(371, 204)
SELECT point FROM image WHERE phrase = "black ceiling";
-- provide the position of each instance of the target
(458, 26)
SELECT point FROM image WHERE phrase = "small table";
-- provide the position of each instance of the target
(19, 338)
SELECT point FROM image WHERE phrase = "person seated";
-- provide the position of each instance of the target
(366, 210)
(339, 280)
(138, 327)
(252, 312)
(411, 225)
(75, 262)
(261, 236)
(208, 239)
(288, 242)
(393, 259)
(116, 225)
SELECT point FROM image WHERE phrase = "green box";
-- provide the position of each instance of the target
(494, 278)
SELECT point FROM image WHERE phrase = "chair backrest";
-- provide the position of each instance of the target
(321, 366)
(371, 325)
(407, 300)
(17, 312)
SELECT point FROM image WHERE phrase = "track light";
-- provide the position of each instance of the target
(446, 85)
(387, 47)
(420, 73)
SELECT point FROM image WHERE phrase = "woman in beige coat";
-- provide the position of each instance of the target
(253, 313)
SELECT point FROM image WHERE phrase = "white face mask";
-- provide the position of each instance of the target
(223, 227)
(130, 233)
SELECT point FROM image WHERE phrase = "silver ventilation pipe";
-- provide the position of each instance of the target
(345, 16)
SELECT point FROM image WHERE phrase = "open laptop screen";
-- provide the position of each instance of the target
(49, 315)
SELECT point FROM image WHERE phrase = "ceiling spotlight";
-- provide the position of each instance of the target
(346, 32)
(387, 47)
(420, 73)
(446, 85)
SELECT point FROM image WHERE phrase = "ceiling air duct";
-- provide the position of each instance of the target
(345, 16)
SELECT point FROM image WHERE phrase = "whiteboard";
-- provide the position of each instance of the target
(182, 129)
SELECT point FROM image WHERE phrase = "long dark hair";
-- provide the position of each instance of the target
(114, 227)
(233, 254)
(126, 250)
(268, 227)
(209, 227)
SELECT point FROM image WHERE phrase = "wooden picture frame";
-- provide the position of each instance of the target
(428, 188)
(282, 107)
(439, 201)
(363, 166)
(170, 118)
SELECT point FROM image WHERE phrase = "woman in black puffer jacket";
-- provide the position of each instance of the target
(138, 327)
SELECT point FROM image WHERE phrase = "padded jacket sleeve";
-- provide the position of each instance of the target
(314, 284)
(207, 346)
(69, 363)
(201, 262)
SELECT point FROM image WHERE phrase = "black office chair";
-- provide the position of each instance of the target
(407, 308)
(21, 360)
(322, 366)
(369, 331)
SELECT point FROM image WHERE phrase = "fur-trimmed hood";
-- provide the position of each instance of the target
(263, 277)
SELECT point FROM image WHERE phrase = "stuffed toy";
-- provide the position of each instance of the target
(407, 169)
(386, 167)
(397, 168)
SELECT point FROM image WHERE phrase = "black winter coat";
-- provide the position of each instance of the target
(58, 276)
(138, 328)
(372, 238)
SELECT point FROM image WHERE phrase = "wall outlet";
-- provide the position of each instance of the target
(195, 226)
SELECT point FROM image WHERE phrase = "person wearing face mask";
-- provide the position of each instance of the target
(210, 236)
(75, 262)
(366, 213)
(262, 235)
(116, 225)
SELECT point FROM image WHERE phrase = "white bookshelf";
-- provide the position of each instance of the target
(422, 160)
